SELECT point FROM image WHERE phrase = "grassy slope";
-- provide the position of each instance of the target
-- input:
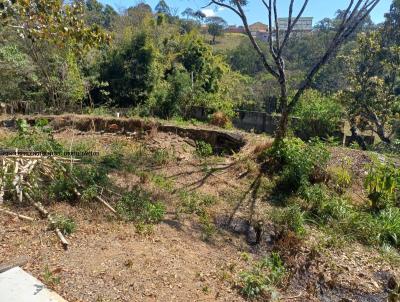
(227, 41)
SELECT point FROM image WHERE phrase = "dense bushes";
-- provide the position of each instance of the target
(300, 175)
(164, 72)
(131, 71)
(319, 116)
(298, 162)
(383, 185)
(138, 206)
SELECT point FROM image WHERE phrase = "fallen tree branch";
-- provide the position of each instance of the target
(106, 204)
(23, 217)
(46, 214)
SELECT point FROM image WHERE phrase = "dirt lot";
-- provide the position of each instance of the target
(108, 260)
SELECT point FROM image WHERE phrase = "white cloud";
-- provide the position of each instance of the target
(208, 12)
(221, 8)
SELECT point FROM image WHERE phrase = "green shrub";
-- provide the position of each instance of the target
(65, 224)
(34, 138)
(91, 175)
(298, 162)
(138, 207)
(204, 149)
(112, 161)
(290, 218)
(319, 116)
(62, 189)
(322, 205)
(389, 226)
(100, 111)
(383, 184)
(263, 276)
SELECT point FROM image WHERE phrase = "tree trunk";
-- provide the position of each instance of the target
(282, 130)
(380, 128)
(355, 135)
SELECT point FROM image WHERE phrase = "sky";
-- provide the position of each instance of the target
(318, 9)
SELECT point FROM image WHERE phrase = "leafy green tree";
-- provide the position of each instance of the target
(372, 78)
(98, 14)
(244, 58)
(17, 75)
(55, 37)
(130, 71)
(163, 8)
(392, 24)
(216, 27)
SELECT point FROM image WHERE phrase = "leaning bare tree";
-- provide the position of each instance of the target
(352, 17)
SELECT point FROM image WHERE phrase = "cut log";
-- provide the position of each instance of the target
(23, 217)
(46, 214)
(64, 241)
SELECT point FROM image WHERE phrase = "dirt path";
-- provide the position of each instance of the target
(109, 261)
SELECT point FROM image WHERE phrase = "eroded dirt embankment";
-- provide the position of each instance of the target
(222, 141)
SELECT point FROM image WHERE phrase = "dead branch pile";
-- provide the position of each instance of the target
(23, 179)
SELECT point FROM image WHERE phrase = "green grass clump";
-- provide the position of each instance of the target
(204, 149)
(113, 161)
(262, 278)
(194, 203)
(137, 206)
(290, 218)
(383, 185)
(65, 224)
(296, 162)
(33, 138)
(143, 158)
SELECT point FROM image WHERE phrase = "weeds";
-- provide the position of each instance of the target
(262, 278)
(138, 207)
(290, 218)
(207, 227)
(49, 278)
(204, 149)
(34, 138)
(297, 163)
(383, 185)
(194, 203)
(341, 178)
(112, 161)
(142, 158)
(65, 224)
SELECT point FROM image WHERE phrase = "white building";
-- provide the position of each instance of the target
(303, 24)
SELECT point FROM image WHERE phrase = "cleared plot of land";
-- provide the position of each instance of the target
(192, 255)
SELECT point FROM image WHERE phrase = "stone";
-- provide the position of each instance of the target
(16, 285)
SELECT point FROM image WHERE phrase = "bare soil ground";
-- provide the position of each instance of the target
(108, 260)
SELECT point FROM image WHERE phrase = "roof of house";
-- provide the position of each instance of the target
(258, 26)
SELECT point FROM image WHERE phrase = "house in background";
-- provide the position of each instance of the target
(304, 24)
(259, 30)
